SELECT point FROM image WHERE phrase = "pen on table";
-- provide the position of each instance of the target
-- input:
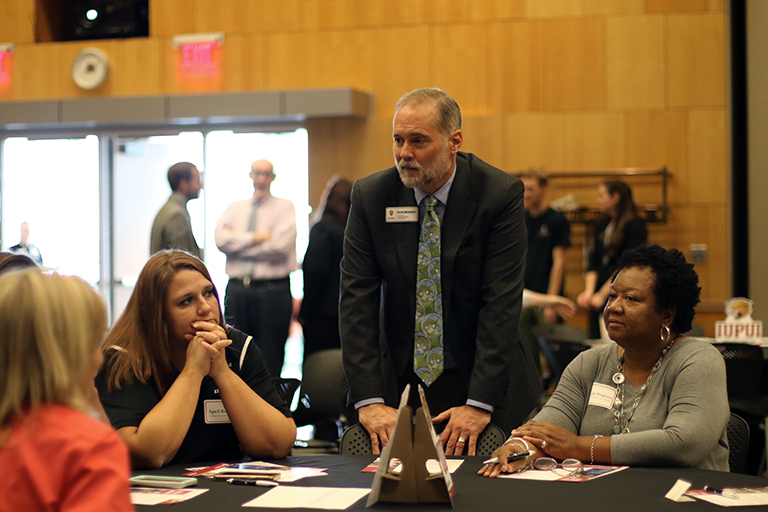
(721, 492)
(510, 457)
(258, 483)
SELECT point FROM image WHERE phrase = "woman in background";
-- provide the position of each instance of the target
(619, 230)
(54, 454)
(181, 386)
(319, 313)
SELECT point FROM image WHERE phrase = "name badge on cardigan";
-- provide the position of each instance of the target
(215, 412)
(602, 395)
(401, 214)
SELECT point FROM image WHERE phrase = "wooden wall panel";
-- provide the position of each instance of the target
(696, 60)
(319, 14)
(438, 11)
(534, 140)
(551, 8)
(135, 67)
(36, 72)
(218, 16)
(346, 60)
(701, 225)
(484, 136)
(17, 21)
(243, 63)
(381, 13)
(393, 74)
(459, 65)
(675, 5)
(292, 61)
(656, 139)
(574, 71)
(707, 157)
(516, 73)
(615, 7)
(594, 141)
(486, 10)
(635, 62)
(272, 15)
(170, 17)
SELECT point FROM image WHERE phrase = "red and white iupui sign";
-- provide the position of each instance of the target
(738, 324)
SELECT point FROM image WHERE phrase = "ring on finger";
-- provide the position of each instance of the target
(461, 440)
(543, 445)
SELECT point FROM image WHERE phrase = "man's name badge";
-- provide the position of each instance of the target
(401, 214)
(602, 395)
(215, 412)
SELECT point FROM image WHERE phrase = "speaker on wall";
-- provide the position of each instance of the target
(110, 19)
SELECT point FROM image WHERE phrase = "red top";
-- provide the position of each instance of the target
(59, 459)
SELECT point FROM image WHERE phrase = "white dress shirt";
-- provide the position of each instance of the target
(273, 259)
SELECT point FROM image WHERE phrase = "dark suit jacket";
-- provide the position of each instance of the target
(482, 268)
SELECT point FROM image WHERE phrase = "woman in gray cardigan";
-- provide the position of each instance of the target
(655, 398)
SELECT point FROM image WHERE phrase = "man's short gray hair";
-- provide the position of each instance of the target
(448, 112)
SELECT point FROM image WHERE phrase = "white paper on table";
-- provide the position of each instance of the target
(326, 498)
(545, 476)
(295, 474)
(433, 466)
(747, 497)
(155, 496)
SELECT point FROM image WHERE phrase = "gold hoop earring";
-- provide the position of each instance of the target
(665, 334)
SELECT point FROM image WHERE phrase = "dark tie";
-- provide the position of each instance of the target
(428, 344)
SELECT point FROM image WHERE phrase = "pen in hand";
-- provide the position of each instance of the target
(721, 492)
(510, 457)
(258, 483)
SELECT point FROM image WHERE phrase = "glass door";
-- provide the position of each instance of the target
(139, 189)
(52, 185)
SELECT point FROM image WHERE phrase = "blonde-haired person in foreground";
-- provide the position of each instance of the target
(54, 455)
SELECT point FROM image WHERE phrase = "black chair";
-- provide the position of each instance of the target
(323, 397)
(561, 344)
(738, 443)
(286, 388)
(356, 441)
(744, 368)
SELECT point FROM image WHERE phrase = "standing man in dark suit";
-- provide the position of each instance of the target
(172, 228)
(457, 222)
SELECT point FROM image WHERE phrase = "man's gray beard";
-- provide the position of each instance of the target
(427, 174)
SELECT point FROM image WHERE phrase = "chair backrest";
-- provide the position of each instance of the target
(738, 443)
(356, 441)
(286, 388)
(744, 368)
(561, 344)
(324, 388)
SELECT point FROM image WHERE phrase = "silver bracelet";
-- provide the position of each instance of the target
(513, 438)
(592, 449)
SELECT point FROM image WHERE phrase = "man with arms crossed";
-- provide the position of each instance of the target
(454, 225)
(258, 235)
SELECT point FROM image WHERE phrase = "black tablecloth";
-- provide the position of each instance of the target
(634, 489)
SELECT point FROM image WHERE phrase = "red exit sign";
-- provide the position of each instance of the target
(200, 57)
(6, 61)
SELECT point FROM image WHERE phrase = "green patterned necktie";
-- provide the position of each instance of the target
(428, 344)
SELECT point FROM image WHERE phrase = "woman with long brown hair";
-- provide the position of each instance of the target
(181, 386)
(619, 230)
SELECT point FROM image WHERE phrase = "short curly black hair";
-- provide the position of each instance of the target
(676, 286)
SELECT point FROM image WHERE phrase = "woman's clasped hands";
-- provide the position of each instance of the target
(205, 352)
